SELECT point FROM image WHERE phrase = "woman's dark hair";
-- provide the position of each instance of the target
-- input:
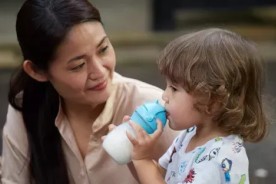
(41, 26)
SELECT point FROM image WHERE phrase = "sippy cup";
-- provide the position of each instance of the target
(117, 144)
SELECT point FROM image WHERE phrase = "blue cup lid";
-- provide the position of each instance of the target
(147, 114)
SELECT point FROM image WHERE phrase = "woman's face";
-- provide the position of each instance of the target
(84, 64)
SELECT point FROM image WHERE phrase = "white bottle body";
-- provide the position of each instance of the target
(117, 144)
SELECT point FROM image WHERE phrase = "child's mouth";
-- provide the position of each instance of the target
(167, 114)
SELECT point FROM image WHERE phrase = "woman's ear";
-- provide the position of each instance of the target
(30, 68)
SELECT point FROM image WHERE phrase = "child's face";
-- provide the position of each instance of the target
(179, 105)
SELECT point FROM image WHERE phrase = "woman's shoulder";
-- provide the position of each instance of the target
(135, 83)
(14, 130)
(14, 118)
(137, 89)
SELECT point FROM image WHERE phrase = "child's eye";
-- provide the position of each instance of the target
(78, 67)
(173, 88)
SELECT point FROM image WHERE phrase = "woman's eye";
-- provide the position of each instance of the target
(78, 67)
(103, 49)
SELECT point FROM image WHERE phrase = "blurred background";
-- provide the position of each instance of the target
(140, 29)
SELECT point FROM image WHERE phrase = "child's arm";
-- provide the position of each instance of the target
(148, 170)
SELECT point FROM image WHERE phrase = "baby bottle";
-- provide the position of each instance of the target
(117, 144)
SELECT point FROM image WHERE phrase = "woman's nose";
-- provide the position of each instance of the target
(96, 70)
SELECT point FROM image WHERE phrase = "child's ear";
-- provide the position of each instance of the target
(30, 68)
(213, 107)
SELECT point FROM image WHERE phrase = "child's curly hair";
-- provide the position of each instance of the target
(219, 66)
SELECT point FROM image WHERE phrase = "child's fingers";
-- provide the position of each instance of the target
(111, 127)
(159, 125)
(103, 137)
(139, 131)
(131, 138)
(126, 118)
(159, 129)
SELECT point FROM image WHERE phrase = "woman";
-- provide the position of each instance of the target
(64, 96)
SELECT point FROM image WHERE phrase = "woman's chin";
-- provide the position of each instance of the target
(102, 98)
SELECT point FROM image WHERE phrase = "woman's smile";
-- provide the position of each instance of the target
(100, 86)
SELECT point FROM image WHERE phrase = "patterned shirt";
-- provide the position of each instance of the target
(220, 160)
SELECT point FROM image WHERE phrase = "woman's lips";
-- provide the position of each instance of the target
(99, 86)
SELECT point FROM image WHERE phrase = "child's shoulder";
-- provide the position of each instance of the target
(232, 159)
(230, 151)
(225, 157)
(231, 144)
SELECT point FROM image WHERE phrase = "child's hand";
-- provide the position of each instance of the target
(144, 143)
(112, 126)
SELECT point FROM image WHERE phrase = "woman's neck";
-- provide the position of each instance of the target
(81, 118)
(82, 113)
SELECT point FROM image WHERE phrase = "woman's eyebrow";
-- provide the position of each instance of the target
(76, 58)
(82, 56)
(100, 43)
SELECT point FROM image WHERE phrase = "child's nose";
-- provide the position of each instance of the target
(165, 98)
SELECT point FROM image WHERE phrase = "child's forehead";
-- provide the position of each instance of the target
(169, 81)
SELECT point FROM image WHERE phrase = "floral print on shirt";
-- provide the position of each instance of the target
(190, 177)
(222, 160)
